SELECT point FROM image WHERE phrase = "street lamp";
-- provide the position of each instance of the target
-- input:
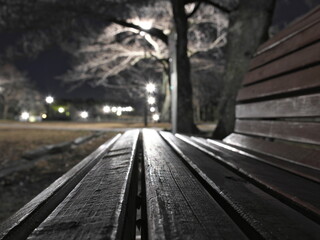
(49, 99)
(151, 87)
(151, 100)
(84, 114)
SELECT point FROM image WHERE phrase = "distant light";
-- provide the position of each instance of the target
(152, 109)
(84, 114)
(106, 109)
(49, 99)
(151, 100)
(128, 109)
(142, 33)
(119, 113)
(151, 87)
(146, 25)
(25, 116)
(32, 119)
(44, 116)
(61, 109)
(156, 117)
(114, 109)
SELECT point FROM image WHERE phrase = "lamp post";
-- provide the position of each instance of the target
(150, 89)
(49, 100)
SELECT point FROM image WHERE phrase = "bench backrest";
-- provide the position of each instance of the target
(280, 96)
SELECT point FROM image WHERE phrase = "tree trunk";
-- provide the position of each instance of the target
(248, 28)
(165, 109)
(185, 111)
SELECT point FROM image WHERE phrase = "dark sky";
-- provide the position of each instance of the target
(54, 62)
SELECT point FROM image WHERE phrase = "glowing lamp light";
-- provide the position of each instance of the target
(106, 109)
(25, 116)
(155, 117)
(152, 109)
(61, 110)
(44, 116)
(151, 87)
(49, 99)
(119, 113)
(151, 100)
(114, 109)
(84, 115)
(146, 25)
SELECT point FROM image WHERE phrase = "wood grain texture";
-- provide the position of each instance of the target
(22, 223)
(178, 206)
(287, 152)
(96, 208)
(302, 80)
(301, 38)
(304, 132)
(298, 59)
(302, 106)
(269, 217)
(295, 26)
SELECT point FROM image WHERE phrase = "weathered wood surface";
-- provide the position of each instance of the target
(97, 207)
(288, 44)
(22, 223)
(292, 29)
(298, 59)
(260, 214)
(297, 154)
(278, 182)
(302, 80)
(301, 106)
(304, 132)
(178, 207)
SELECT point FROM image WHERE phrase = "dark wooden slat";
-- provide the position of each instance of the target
(302, 106)
(307, 19)
(292, 153)
(304, 132)
(277, 182)
(301, 38)
(300, 170)
(271, 218)
(22, 223)
(301, 80)
(299, 59)
(178, 206)
(96, 208)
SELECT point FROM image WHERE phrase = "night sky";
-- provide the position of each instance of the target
(43, 70)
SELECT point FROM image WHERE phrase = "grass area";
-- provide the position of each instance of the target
(14, 142)
(21, 186)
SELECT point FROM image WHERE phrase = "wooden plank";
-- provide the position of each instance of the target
(300, 170)
(22, 223)
(301, 38)
(305, 20)
(178, 207)
(301, 80)
(97, 207)
(275, 181)
(292, 153)
(304, 132)
(302, 106)
(295, 60)
(269, 217)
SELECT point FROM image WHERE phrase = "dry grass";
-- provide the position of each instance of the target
(14, 142)
(20, 187)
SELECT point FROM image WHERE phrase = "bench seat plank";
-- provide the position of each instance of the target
(178, 207)
(96, 208)
(290, 188)
(307, 56)
(22, 223)
(302, 106)
(304, 132)
(297, 81)
(299, 39)
(267, 215)
(297, 154)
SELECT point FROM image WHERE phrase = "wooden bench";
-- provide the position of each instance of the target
(261, 182)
